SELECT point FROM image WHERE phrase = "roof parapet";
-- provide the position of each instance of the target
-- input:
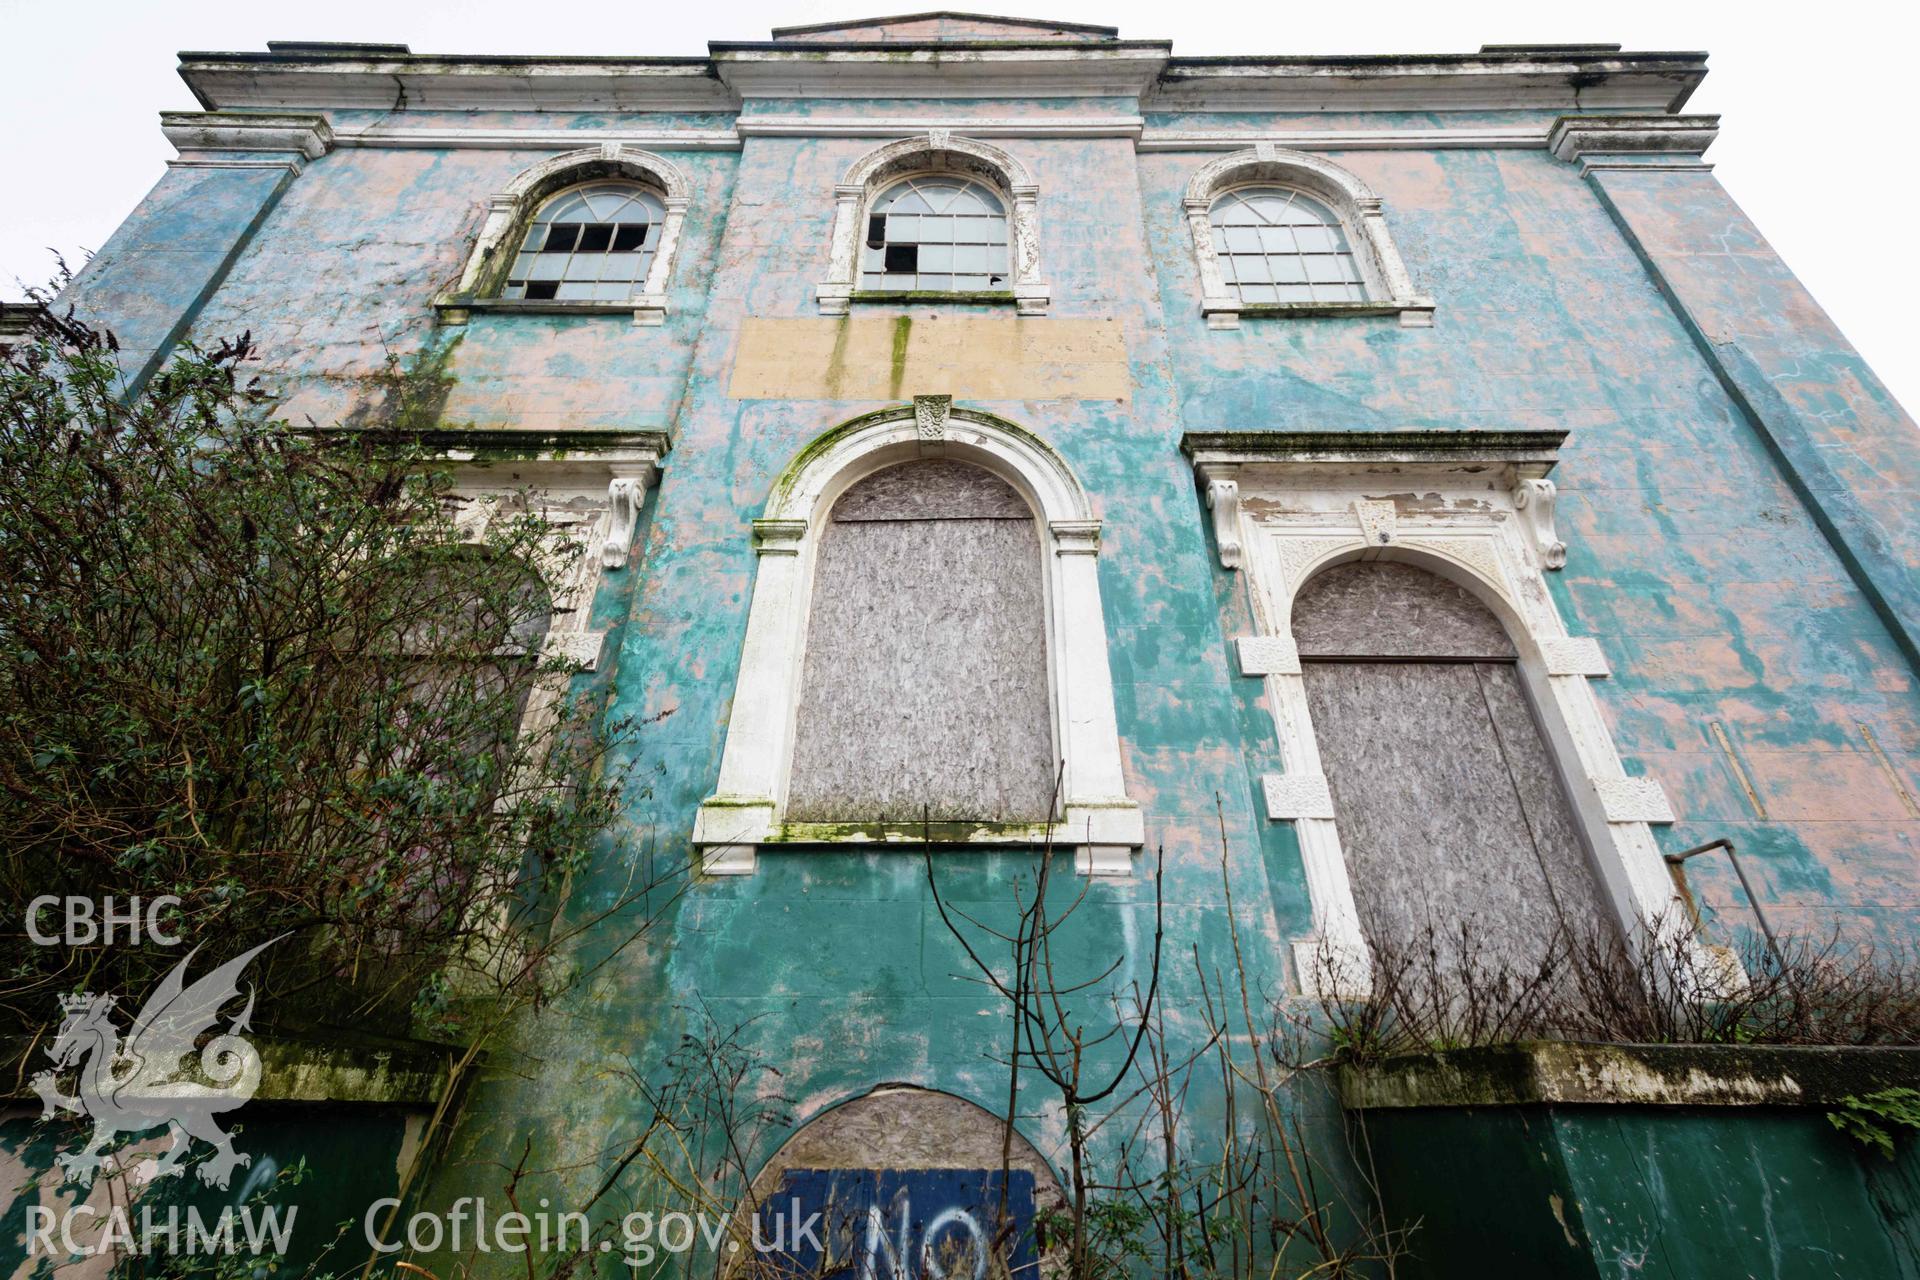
(312, 75)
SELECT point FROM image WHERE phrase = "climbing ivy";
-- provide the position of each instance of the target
(1870, 1119)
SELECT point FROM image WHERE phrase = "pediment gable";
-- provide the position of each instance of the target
(923, 28)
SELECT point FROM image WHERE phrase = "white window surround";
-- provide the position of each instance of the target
(1094, 814)
(588, 484)
(936, 151)
(509, 211)
(1483, 520)
(1390, 289)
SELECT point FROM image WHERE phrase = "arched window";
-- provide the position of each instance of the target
(936, 231)
(591, 243)
(477, 629)
(589, 231)
(924, 689)
(1350, 591)
(1276, 244)
(936, 213)
(1283, 233)
(957, 1187)
(1456, 825)
(924, 642)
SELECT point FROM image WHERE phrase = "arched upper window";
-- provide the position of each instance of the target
(593, 242)
(936, 214)
(926, 655)
(935, 231)
(592, 230)
(1285, 233)
(1276, 244)
(923, 691)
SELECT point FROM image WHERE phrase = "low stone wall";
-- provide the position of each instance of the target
(1573, 1160)
(354, 1113)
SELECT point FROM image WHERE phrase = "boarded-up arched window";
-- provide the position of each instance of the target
(924, 688)
(1449, 804)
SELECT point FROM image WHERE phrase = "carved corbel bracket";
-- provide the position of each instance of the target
(1223, 499)
(625, 494)
(1534, 500)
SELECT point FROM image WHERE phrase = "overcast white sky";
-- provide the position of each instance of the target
(1816, 99)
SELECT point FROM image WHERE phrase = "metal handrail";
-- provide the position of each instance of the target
(1674, 861)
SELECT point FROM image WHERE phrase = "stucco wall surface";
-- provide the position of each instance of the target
(1693, 559)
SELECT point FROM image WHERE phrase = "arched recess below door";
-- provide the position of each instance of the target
(900, 1171)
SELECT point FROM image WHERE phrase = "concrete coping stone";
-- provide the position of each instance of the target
(363, 1071)
(1555, 1073)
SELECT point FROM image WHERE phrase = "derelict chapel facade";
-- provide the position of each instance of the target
(1411, 480)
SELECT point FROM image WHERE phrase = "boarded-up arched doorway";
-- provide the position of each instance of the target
(1450, 807)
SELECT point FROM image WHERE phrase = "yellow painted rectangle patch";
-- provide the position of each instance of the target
(894, 357)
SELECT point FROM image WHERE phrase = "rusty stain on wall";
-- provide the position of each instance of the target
(1739, 770)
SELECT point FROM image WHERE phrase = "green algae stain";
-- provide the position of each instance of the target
(837, 361)
(897, 377)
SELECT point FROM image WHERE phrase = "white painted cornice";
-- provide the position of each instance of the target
(452, 136)
(1530, 452)
(444, 82)
(310, 136)
(1442, 138)
(1679, 141)
(1531, 137)
(245, 140)
(293, 76)
(1571, 80)
(1035, 126)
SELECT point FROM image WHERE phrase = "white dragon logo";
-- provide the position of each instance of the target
(142, 1084)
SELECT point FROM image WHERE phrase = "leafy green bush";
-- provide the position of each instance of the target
(270, 671)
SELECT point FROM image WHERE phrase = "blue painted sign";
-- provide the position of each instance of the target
(900, 1224)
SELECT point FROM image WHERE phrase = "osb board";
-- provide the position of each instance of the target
(893, 357)
(1379, 609)
(924, 688)
(1450, 809)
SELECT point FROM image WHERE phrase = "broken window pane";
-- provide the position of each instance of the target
(912, 223)
(593, 242)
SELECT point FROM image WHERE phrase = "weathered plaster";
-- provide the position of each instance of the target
(1701, 562)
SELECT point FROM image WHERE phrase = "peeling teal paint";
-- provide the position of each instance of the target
(1697, 563)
